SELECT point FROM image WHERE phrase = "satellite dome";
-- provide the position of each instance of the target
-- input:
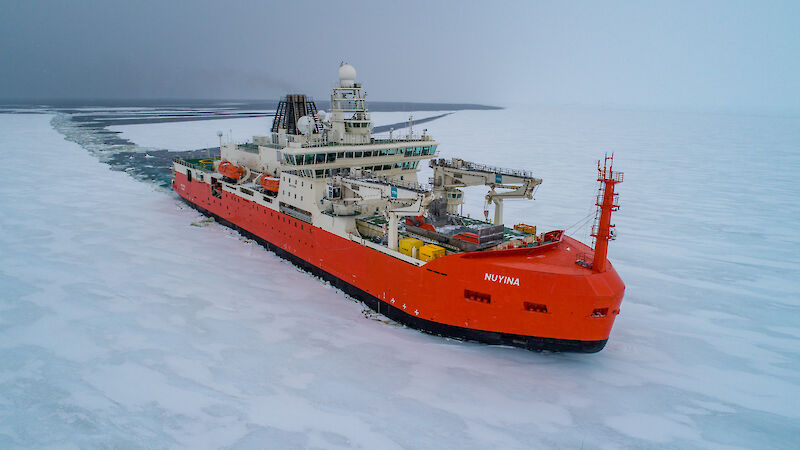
(347, 75)
(305, 125)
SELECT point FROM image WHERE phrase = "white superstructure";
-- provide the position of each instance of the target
(335, 175)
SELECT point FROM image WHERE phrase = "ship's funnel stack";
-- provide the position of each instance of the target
(607, 202)
(291, 110)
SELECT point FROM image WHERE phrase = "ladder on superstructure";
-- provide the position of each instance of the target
(607, 201)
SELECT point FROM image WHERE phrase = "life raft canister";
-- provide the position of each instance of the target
(230, 170)
(269, 183)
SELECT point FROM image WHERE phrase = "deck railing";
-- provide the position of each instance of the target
(411, 185)
(183, 162)
(360, 141)
(460, 164)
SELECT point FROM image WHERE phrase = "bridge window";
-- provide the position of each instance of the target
(391, 151)
(331, 157)
(348, 154)
(309, 159)
(358, 154)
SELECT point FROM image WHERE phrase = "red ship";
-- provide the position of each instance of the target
(325, 193)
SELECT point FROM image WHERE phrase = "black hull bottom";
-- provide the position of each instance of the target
(488, 337)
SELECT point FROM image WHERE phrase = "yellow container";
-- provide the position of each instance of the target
(430, 252)
(525, 228)
(407, 245)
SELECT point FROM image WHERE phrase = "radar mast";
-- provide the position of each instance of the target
(350, 120)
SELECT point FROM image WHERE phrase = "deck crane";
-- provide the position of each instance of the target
(449, 175)
(399, 199)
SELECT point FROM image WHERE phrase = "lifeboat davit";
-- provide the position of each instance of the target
(269, 183)
(230, 170)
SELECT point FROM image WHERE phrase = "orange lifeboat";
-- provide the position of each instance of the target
(269, 183)
(230, 170)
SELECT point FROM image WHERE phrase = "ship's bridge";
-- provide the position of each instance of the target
(387, 157)
(311, 143)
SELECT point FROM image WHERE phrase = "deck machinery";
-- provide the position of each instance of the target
(324, 192)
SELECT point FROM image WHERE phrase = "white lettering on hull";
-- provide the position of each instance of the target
(502, 279)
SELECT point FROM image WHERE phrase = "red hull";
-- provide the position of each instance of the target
(538, 299)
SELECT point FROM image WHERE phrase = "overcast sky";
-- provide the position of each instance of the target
(698, 54)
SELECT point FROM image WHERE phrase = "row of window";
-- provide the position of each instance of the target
(345, 171)
(320, 158)
(404, 165)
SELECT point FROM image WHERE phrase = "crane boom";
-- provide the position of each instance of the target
(398, 199)
(450, 175)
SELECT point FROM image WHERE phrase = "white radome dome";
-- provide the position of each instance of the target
(347, 74)
(305, 125)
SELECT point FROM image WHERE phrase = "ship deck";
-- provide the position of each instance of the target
(378, 221)
(204, 164)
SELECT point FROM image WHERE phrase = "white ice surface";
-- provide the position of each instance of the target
(193, 135)
(123, 325)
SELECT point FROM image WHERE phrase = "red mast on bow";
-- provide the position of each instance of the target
(607, 202)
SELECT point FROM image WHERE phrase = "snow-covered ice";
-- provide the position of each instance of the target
(198, 134)
(127, 320)
(192, 135)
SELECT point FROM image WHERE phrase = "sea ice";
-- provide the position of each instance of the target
(193, 135)
(127, 320)
(198, 134)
